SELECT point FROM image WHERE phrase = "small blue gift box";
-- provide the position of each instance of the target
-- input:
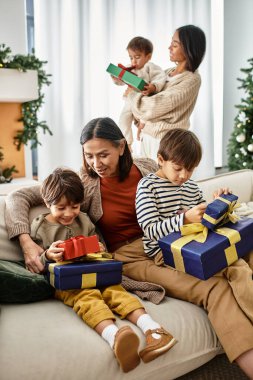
(81, 275)
(219, 211)
(203, 259)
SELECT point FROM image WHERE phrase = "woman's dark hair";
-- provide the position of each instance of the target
(140, 44)
(105, 128)
(62, 182)
(193, 41)
(181, 147)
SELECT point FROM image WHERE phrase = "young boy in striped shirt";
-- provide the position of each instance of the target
(167, 199)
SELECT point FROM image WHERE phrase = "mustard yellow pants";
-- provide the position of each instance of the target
(97, 305)
(227, 297)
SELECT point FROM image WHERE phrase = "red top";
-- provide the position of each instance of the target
(119, 222)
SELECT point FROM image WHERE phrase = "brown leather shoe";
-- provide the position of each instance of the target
(126, 348)
(156, 347)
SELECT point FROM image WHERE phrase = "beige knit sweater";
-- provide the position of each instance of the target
(170, 108)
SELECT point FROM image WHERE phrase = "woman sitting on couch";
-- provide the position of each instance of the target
(110, 178)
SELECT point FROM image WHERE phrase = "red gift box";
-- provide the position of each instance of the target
(79, 246)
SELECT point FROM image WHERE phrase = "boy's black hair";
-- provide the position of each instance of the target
(181, 147)
(62, 182)
(140, 44)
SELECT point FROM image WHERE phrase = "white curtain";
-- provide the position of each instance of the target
(79, 38)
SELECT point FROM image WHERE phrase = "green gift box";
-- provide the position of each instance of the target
(129, 78)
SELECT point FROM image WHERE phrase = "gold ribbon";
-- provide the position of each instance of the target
(89, 280)
(228, 216)
(198, 232)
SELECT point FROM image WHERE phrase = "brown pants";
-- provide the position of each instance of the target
(227, 296)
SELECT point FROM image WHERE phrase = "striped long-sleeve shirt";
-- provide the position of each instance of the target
(159, 206)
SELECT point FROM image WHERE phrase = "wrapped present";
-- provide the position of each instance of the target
(68, 275)
(79, 246)
(126, 76)
(220, 211)
(202, 252)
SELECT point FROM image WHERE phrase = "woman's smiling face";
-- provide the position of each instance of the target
(103, 157)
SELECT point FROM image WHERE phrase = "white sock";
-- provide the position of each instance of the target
(109, 333)
(145, 323)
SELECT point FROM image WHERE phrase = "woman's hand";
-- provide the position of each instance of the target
(221, 190)
(195, 214)
(32, 252)
(55, 253)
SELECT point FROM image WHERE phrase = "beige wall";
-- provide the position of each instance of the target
(9, 124)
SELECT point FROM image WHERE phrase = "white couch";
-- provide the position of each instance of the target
(47, 340)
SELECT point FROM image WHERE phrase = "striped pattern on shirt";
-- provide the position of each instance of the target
(159, 208)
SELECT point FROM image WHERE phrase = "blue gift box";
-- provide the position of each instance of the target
(216, 211)
(203, 260)
(81, 275)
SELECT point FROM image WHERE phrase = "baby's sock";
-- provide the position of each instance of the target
(145, 323)
(109, 333)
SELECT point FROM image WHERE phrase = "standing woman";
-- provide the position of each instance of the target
(172, 107)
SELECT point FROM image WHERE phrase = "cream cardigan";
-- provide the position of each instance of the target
(170, 108)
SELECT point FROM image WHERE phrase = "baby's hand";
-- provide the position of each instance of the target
(195, 214)
(149, 89)
(117, 81)
(222, 190)
(101, 247)
(54, 253)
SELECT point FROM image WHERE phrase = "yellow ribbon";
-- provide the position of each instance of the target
(228, 216)
(89, 280)
(198, 232)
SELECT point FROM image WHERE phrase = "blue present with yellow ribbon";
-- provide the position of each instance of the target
(220, 211)
(202, 252)
(66, 275)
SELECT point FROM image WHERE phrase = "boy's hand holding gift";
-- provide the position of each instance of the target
(55, 253)
(73, 248)
(195, 214)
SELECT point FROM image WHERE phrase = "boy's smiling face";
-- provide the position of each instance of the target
(63, 212)
(172, 171)
(138, 58)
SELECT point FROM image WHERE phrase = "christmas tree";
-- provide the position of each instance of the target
(240, 146)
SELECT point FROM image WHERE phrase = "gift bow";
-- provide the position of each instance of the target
(228, 216)
(77, 246)
(199, 233)
(126, 68)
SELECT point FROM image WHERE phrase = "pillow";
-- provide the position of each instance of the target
(18, 285)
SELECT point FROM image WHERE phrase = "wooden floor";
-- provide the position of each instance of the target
(218, 368)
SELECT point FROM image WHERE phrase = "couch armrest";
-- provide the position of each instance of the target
(240, 182)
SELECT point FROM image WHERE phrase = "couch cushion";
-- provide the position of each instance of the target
(10, 250)
(18, 285)
(58, 344)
